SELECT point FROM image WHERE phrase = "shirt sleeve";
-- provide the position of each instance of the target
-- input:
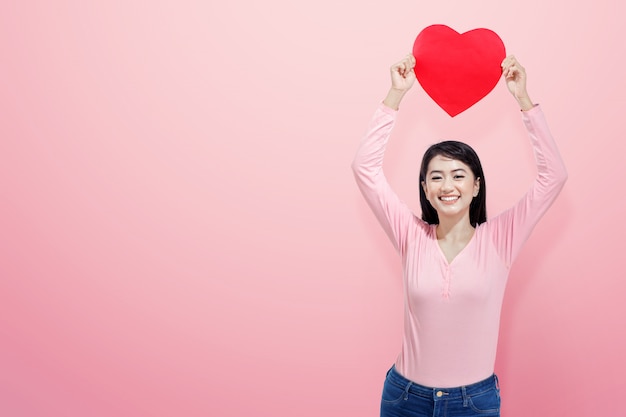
(513, 227)
(393, 214)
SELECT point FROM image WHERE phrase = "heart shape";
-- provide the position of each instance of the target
(457, 70)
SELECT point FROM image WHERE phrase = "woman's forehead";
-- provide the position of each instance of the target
(444, 163)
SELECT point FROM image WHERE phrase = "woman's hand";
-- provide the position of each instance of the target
(402, 79)
(402, 74)
(515, 77)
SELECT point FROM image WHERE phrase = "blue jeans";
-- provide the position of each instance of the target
(404, 398)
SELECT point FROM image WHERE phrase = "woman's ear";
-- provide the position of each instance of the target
(476, 186)
(425, 189)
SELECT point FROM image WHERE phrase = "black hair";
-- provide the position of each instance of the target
(464, 153)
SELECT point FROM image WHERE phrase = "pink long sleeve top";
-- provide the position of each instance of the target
(452, 310)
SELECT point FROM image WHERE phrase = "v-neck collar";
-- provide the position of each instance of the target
(442, 254)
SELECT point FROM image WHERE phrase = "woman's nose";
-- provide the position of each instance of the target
(447, 185)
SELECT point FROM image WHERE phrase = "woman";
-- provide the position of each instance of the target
(455, 261)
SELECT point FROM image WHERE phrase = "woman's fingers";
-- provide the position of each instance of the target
(508, 61)
(402, 75)
(398, 68)
(405, 66)
(411, 60)
(515, 76)
(511, 71)
(511, 67)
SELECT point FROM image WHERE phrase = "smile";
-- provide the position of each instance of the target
(450, 198)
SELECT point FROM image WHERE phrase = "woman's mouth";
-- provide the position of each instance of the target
(449, 199)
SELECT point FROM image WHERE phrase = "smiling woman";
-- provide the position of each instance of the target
(455, 262)
(447, 168)
(451, 190)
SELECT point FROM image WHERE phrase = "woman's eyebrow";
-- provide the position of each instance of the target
(436, 171)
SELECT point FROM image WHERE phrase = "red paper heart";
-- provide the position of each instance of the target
(457, 70)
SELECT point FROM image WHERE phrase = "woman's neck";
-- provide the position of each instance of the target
(455, 230)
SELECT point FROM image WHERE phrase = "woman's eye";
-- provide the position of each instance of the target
(435, 178)
(459, 177)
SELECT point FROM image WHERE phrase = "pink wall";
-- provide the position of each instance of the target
(180, 234)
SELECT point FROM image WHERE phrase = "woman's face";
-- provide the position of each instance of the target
(450, 186)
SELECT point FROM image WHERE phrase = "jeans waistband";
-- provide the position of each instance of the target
(435, 393)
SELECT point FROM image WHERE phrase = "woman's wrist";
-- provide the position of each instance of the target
(525, 103)
(394, 97)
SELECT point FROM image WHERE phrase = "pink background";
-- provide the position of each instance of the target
(180, 233)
